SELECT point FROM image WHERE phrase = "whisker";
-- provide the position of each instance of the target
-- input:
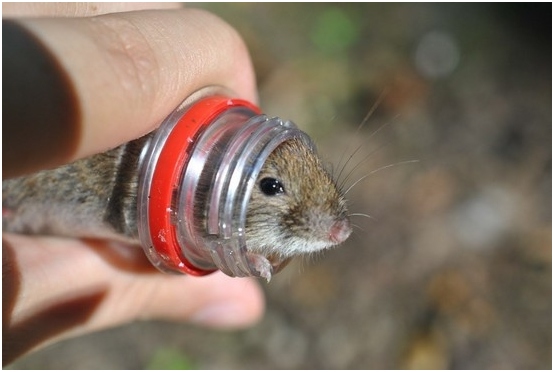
(343, 182)
(302, 263)
(378, 170)
(343, 167)
(372, 109)
(360, 126)
(358, 227)
(361, 215)
(355, 232)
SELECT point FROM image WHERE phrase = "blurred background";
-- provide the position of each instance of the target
(454, 267)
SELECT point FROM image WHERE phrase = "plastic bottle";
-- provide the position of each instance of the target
(196, 175)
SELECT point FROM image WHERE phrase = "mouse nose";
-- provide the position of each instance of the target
(340, 231)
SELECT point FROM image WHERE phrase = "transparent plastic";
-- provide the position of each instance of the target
(196, 177)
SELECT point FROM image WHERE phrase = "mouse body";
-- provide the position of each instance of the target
(93, 197)
(295, 207)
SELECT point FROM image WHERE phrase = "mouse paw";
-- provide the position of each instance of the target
(261, 265)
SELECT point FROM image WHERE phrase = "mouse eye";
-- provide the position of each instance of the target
(271, 186)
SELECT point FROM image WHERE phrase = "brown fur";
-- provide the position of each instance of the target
(96, 197)
(299, 220)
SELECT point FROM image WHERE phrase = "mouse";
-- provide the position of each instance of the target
(295, 207)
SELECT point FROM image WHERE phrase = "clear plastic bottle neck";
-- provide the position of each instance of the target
(196, 179)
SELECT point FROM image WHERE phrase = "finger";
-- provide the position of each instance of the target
(109, 79)
(60, 267)
(19, 9)
(55, 288)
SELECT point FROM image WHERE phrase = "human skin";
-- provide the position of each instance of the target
(115, 71)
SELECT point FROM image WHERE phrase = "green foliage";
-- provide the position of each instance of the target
(334, 31)
(169, 359)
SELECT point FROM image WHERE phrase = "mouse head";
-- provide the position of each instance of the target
(295, 207)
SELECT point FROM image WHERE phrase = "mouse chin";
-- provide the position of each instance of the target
(285, 248)
(302, 246)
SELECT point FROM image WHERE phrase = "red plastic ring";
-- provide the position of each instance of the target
(173, 158)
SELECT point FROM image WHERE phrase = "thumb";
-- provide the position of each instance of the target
(78, 86)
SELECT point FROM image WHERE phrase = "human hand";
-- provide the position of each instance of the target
(75, 85)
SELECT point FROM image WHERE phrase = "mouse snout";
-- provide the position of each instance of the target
(340, 231)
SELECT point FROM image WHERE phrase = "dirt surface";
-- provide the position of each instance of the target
(454, 267)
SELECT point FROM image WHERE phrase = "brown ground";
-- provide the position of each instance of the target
(454, 270)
